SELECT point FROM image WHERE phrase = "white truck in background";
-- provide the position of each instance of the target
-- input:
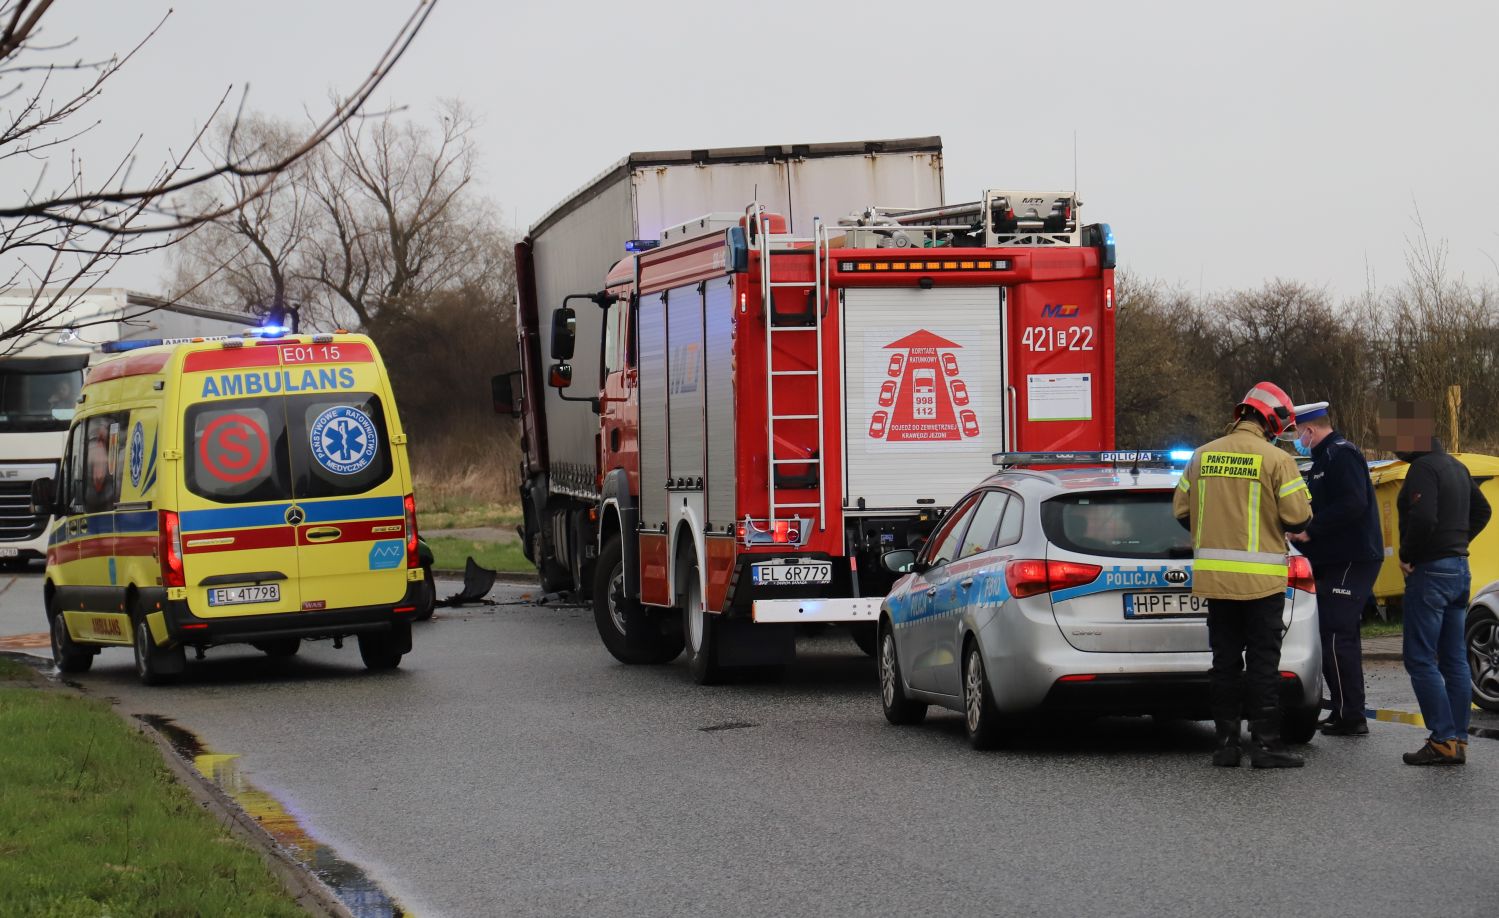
(42, 374)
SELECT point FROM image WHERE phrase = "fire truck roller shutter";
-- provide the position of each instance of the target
(924, 388)
(718, 311)
(685, 422)
(653, 431)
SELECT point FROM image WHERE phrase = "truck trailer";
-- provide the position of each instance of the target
(771, 394)
(42, 374)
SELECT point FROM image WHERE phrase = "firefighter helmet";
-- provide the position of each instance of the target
(1271, 405)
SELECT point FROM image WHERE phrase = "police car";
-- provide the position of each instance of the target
(1068, 589)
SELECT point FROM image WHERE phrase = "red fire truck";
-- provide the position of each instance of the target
(777, 409)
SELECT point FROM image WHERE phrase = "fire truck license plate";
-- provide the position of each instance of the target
(815, 572)
(1147, 605)
(233, 596)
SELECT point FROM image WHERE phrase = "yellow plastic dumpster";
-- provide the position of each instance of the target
(1483, 554)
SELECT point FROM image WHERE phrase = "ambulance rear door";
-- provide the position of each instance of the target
(239, 547)
(347, 483)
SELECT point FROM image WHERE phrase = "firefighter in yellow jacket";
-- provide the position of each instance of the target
(1239, 496)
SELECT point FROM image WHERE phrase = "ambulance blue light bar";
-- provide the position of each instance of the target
(641, 245)
(120, 347)
(1156, 458)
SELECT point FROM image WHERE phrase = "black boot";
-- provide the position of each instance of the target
(1228, 751)
(1265, 748)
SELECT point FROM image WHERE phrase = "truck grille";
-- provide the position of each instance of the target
(17, 522)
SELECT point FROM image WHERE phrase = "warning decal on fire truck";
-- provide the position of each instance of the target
(923, 392)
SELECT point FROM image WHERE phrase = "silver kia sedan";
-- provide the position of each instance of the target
(1068, 591)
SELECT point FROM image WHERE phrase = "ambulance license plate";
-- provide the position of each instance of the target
(1163, 605)
(777, 574)
(234, 596)
(10, 552)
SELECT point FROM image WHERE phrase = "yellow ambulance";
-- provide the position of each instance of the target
(250, 490)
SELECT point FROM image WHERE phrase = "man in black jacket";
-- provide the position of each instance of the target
(1346, 547)
(1441, 510)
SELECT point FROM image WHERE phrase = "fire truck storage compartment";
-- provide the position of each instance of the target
(653, 433)
(718, 373)
(687, 404)
(924, 393)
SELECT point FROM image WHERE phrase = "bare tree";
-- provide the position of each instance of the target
(68, 228)
(366, 231)
(250, 259)
(398, 220)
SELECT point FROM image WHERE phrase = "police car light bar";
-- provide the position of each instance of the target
(1161, 458)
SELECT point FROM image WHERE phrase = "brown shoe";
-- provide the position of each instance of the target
(1462, 752)
(1434, 753)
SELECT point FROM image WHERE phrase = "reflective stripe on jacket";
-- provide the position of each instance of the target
(1240, 494)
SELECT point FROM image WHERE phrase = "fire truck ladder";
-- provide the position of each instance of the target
(770, 246)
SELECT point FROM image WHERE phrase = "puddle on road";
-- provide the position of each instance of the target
(359, 892)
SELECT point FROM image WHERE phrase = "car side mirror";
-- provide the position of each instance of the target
(502, 389)
(44, 497)
(901, 561)
(564, 333)
(560, 376)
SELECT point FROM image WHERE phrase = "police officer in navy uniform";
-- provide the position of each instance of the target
(1346, 548)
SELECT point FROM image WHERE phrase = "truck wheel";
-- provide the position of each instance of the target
(899, 709)
(379, 651)
(69, 657)
(867, 636)
(700, 629)
(631, 633)
(426, 596)
(156, 665)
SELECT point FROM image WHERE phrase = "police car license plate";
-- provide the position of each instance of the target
(233, 596)
(813, 572)
(1163, 605)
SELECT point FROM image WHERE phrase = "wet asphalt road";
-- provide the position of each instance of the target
(512, 767)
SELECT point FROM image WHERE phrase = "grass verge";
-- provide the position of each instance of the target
(450, 554)
(1377, 628)
(93, 823)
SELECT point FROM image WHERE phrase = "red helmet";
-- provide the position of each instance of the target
(1272, 405)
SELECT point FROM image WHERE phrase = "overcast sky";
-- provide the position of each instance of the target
(1226, 146)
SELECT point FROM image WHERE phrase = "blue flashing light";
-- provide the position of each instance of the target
(267, 331)
(1181, 455)
(120, 347)
(635, 246)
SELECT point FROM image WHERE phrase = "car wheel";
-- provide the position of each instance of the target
(1482, 638)
(980, 713)
(1298, 725)
(700, 631)
(867, 636)
(69, 657)
(630, 632)
(379, 651)
(899, 709)
(155, 665)
(281, 647)
(426, 596)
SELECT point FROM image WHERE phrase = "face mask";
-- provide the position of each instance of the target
(1301, 448)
